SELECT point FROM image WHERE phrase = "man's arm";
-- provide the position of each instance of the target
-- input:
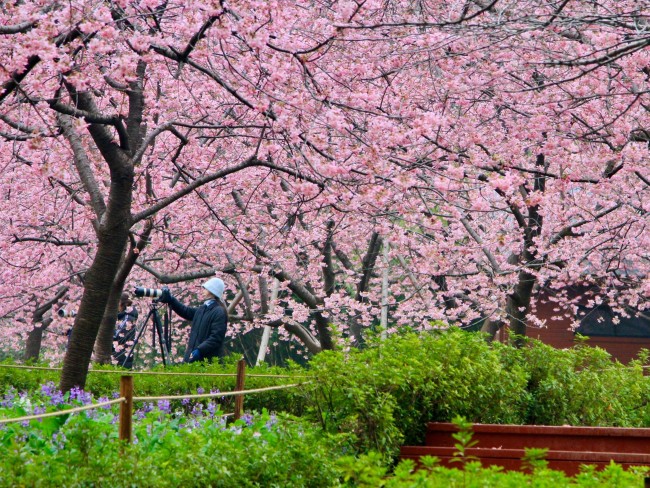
(182, 310)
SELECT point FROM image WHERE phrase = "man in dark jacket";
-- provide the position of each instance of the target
(209, 321)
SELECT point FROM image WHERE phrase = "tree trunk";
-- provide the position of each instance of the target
(33, 343)
(518, 306)
(491, 327)
(368, 266)
(41, 323)
(104, 341)
(113, 235)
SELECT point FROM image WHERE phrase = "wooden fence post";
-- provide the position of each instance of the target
(239, 399)
(126, 408)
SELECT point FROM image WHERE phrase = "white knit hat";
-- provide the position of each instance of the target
(215, 286)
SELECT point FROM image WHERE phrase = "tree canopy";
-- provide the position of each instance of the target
(490, 154)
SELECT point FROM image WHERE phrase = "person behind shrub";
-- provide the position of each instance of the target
(127, 315)
(209, 321)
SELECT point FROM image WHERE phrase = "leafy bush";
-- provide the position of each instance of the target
(195, 446)
(368, 471)
(386, 393)
(190, 447)
(583, 386)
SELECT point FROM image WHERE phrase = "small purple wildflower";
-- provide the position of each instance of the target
(271, 421)
(58, 440)
(200, 390)
(56, 398)
(197, 411)
(9, 398)
(48, 389)
(164, 406)
(104, 399)
(212, 408)
(78, 394)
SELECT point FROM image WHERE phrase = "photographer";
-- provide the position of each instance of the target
(124, 331)
(209, 321)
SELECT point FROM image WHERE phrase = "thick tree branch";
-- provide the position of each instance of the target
(83, 165)
(248, 163)
(568, 230)
(368, 264)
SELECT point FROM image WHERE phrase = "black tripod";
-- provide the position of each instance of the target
(162, 329)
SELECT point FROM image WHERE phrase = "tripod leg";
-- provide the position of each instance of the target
(161, 339)
(143, 327)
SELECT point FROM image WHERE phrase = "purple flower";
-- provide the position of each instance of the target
(48, 389)
(81, 396)
(164, 406)
(248, 418)
(197, 411)
(200, 390)
(75, 393)
(104, 399)
(58, 440)
(271, 421)
(56, 398)
(9, 399)
(212, 408)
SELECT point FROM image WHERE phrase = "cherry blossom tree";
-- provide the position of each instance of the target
(497, 150)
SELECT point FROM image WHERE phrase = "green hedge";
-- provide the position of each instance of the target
(385, 393)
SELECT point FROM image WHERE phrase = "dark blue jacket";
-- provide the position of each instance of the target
(209, 324)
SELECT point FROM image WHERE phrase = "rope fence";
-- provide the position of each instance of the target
(220, 394)
(159, 373)
(62, 412)
(126, 399)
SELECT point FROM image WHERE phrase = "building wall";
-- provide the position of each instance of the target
(558, 333)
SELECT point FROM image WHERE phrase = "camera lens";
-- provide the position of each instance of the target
(141, 291)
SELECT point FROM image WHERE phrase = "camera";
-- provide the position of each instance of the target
(67, 313)
(141, 291)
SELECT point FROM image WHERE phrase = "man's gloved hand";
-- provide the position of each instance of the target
(166, 295)
(195, 356)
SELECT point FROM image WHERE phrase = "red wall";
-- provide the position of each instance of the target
(558, 333)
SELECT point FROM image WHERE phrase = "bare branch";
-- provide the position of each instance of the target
(248, 163)
(486, 251)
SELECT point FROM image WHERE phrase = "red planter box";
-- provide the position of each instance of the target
(569, 447)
